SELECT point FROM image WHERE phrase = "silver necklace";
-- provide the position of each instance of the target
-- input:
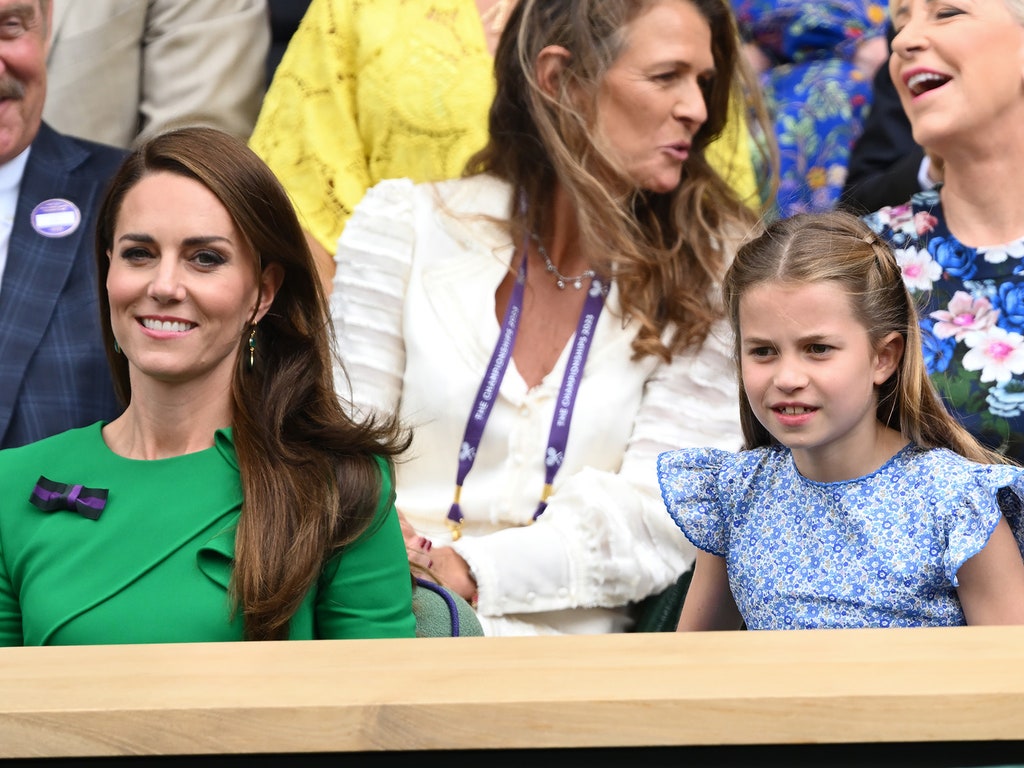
(560, 279)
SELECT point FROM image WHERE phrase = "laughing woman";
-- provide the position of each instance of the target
(957, 68)
(233, 499)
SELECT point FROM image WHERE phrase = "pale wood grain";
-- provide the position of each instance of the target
(849, 686)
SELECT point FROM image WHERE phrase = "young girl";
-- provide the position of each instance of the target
(859, 501)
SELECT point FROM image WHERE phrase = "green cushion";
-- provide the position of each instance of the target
(660, 612)
(432, 604)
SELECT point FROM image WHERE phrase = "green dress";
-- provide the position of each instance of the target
(155, 566)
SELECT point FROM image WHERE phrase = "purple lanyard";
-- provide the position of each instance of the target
(559, 434)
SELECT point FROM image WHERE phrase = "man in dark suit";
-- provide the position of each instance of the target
(53, 368)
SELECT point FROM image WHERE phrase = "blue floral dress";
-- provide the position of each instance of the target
(971, 304)
(882, 550)
(815, 94)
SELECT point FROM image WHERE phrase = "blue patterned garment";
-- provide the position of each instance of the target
(971, 303)
(815, 93)
(879, 551)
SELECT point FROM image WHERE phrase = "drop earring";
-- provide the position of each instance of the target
(117, 347)
(252, 347)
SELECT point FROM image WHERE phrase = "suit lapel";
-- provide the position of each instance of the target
(38, 266)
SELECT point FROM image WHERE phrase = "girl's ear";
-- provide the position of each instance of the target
(888, 356)
(551, 63)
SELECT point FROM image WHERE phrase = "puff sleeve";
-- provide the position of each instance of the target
(689, 489)
(991, 491)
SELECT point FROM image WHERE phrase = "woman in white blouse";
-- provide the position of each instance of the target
(549, 323)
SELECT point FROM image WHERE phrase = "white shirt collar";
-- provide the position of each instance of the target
(11, 173)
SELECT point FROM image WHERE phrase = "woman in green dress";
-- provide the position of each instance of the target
(233, 498)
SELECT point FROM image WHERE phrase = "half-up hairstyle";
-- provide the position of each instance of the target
(838, 247)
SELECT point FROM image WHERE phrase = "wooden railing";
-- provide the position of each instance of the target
(723, 688)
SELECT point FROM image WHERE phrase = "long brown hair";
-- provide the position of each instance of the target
(310, 475)
(667, 252)
(838, 247)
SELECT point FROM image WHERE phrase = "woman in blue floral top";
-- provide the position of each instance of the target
(860, 501)
(956, 68)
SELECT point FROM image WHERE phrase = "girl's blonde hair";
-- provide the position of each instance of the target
(840, 248)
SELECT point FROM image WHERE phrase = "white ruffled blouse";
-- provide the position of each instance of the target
(413, 305)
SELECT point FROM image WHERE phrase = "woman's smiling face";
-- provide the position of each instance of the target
(182, 282)
(958, 66)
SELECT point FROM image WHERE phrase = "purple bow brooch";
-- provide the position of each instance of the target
(52, 497)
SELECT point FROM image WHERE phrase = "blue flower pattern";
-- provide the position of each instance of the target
(980, 379)
(957, 260)
(878, 551)
(816, 95)
(1009, 299)
(1006, 400)
(937, 352)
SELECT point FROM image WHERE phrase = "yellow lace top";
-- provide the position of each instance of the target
(375, 89)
